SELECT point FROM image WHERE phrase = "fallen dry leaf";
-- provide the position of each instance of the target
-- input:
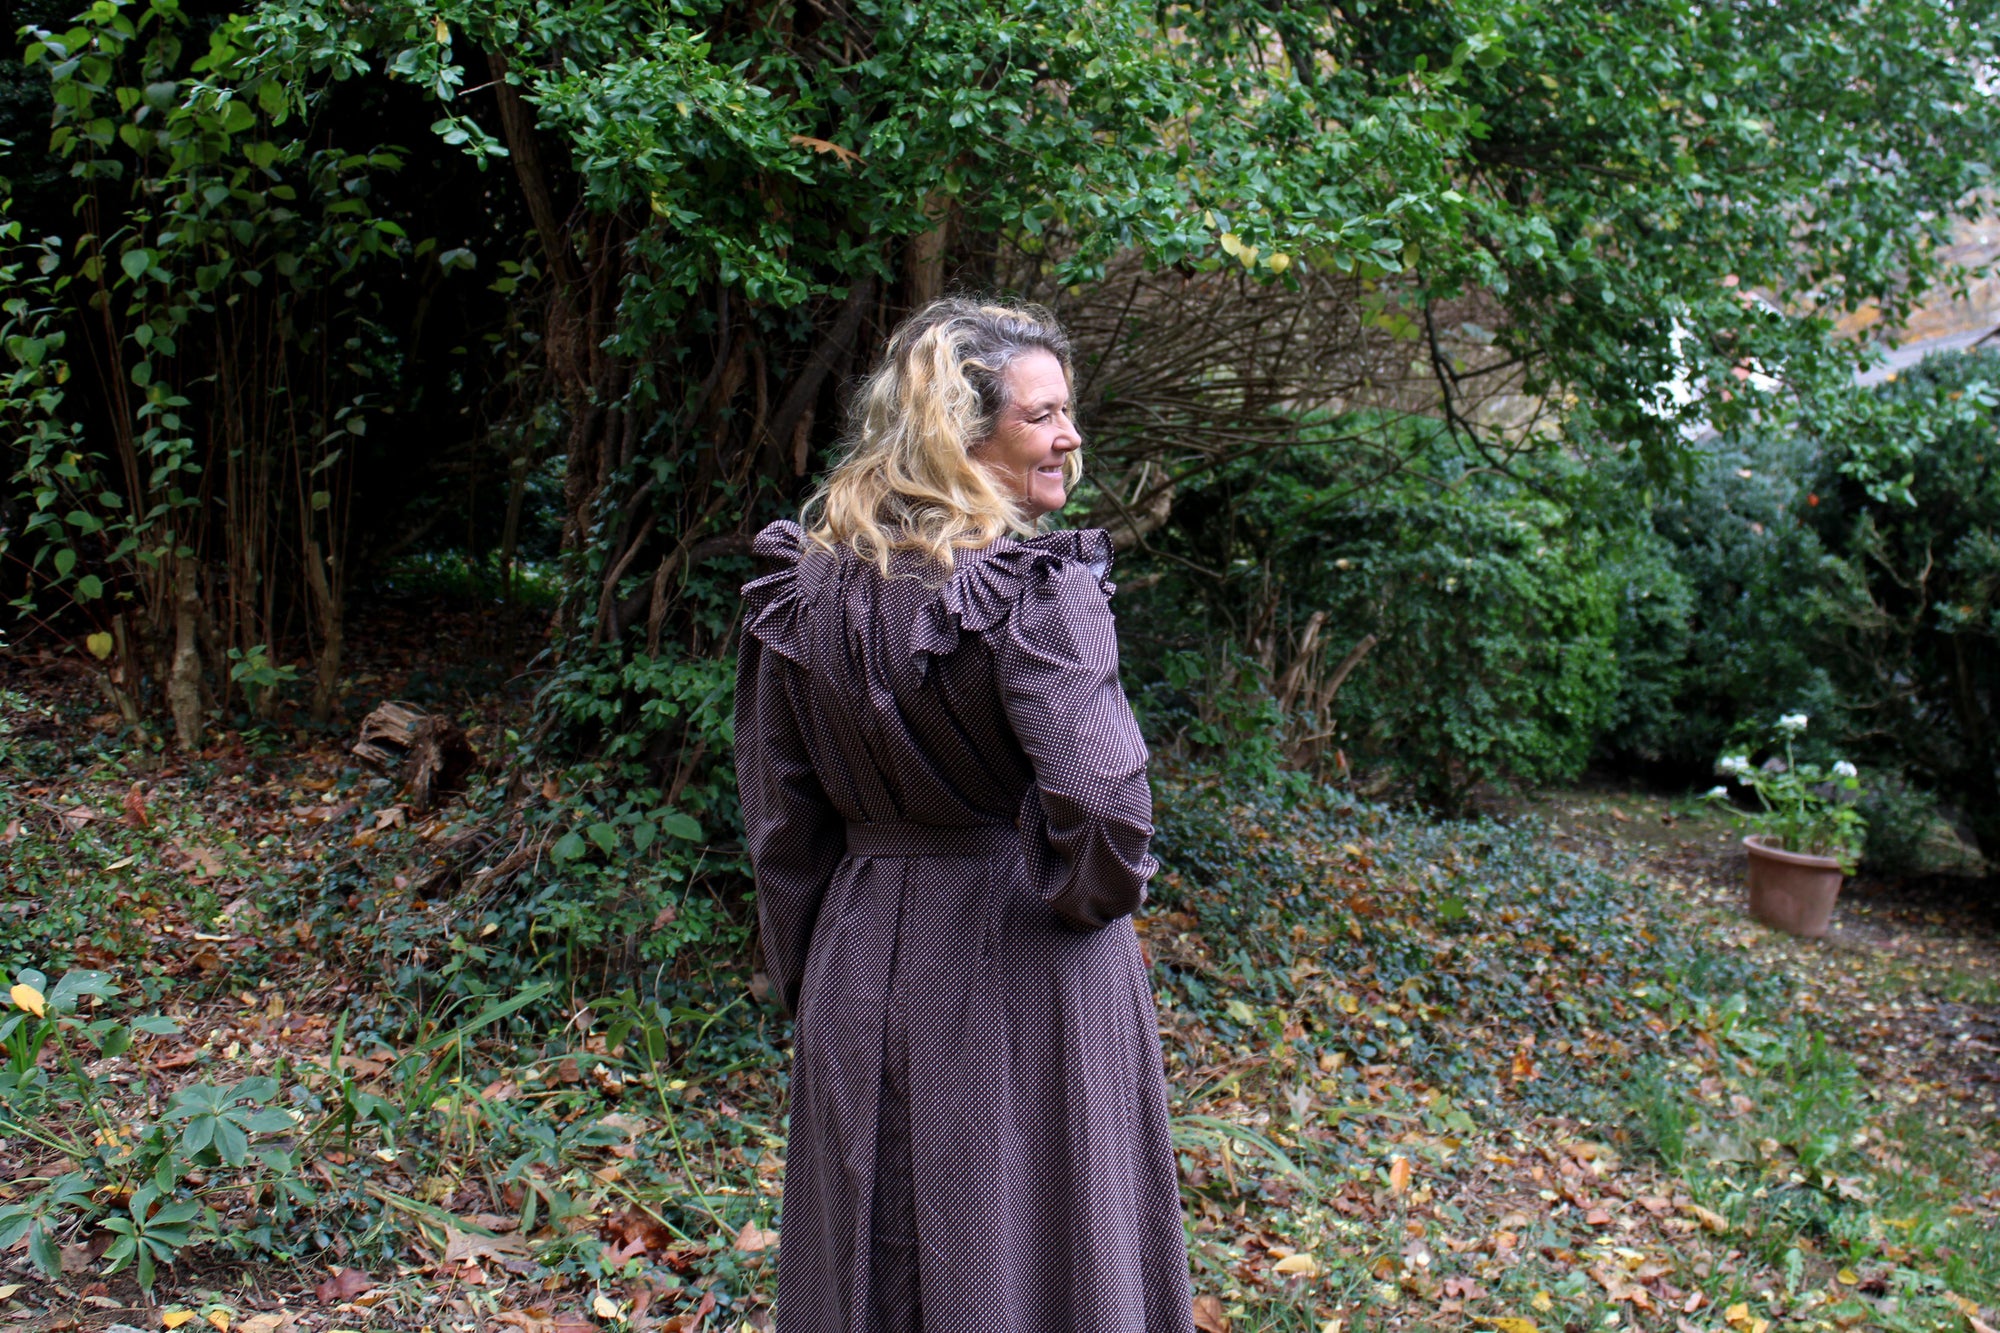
(1208, 1315)
(264, 1323)
(1399, 1174)
(175, 1318)
(1714, 1221)
(635, 1233)
(752, 1239)
(201, 862)
(135, 806)
(1301, 1264)
(688, 1323)
(465, 1247)
(343, 1286)
(1510, 1323)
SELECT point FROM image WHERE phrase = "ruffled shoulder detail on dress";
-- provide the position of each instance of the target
(773, 602)
(988, 585)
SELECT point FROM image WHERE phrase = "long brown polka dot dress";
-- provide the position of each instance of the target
(946, 804)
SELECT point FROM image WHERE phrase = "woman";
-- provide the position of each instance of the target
(946, 805)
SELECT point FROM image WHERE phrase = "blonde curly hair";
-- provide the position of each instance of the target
(906, 479)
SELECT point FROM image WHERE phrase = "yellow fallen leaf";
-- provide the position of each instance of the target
(1760, 1326)
(1399, 1174)
(9, 1289)
(1849, 1277)
(100, 645)
(175, 1318)
(1543, 1302)
(220, 1319)
(605, 1308)
(1296, 1263)
(1714, 1221)
(27, 997)
(1510, 1323)
(1738, 1313)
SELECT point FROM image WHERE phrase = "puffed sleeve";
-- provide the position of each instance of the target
(1089, 815)
(794, 835)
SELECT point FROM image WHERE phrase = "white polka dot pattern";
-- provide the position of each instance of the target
(974, 1003)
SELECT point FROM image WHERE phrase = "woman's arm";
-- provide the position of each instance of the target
(1057, 662)
(795, 836)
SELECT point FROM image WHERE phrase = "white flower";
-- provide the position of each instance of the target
(1843, 769)
(1732, 765)
(1716, 793)
(1792, 723)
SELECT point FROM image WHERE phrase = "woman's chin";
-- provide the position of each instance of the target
(1043, 499)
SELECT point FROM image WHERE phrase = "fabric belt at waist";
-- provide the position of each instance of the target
(931, 839)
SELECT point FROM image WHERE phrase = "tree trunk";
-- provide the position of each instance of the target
(923, 261)
(324, 580)
(184, 675)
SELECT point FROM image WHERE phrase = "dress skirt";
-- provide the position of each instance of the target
(945, 801)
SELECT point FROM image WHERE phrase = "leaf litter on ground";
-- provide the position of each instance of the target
(1426, 1074)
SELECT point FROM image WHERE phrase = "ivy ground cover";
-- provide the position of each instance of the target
(1427, 1075)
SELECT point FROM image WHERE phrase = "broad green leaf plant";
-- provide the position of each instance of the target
(1802, 807)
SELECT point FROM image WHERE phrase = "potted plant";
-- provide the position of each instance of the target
(1808, 832)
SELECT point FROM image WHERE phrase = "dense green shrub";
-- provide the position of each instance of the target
(1215, 707)
(1727, 640)
(1488, 620)
(1656, 605)
(1901, 820)
(1496, 625)
(1912, 627)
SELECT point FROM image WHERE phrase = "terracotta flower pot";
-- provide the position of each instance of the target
(1791, 891)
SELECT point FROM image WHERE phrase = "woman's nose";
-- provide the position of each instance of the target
(1067, 435)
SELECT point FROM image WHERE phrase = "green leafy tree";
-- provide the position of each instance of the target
(215, 313)
(730, 204)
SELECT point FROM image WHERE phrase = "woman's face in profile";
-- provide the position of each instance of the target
(1034, 434)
